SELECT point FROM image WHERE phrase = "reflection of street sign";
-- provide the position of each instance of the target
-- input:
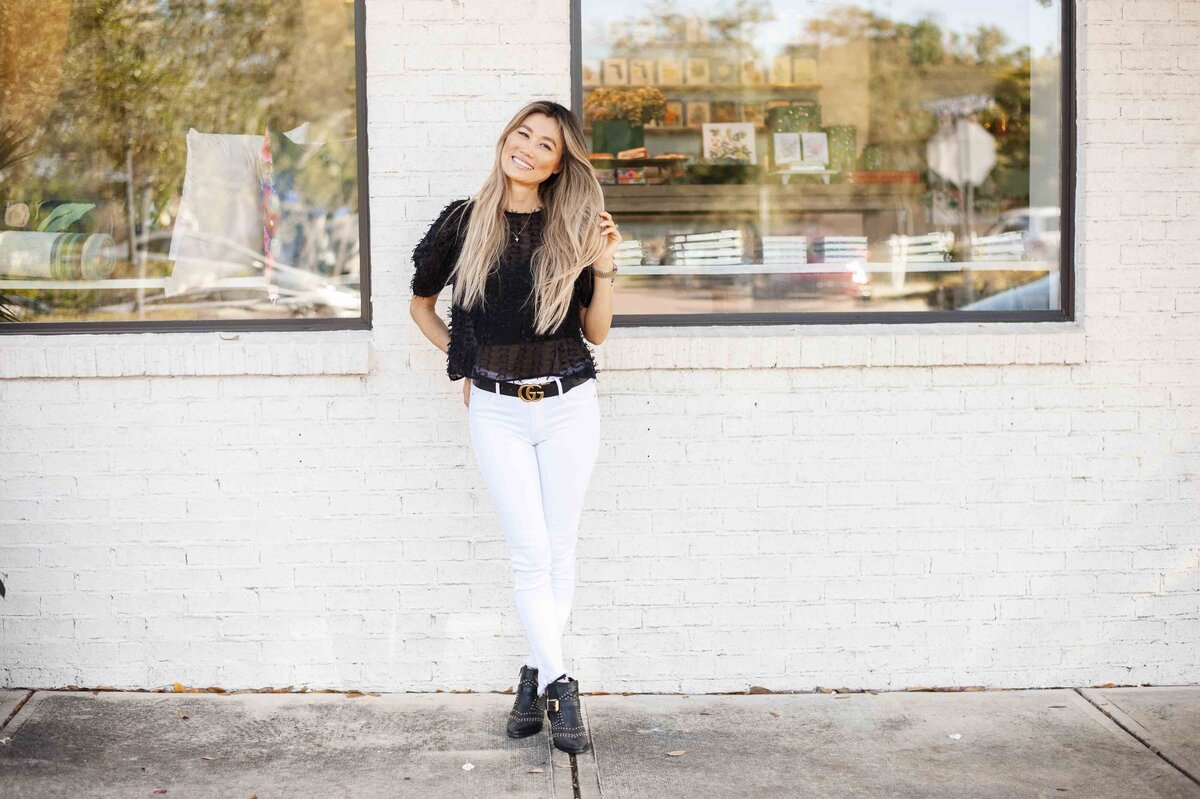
(962, 153)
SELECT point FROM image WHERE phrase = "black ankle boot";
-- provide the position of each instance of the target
(566, 717)
(528, 708)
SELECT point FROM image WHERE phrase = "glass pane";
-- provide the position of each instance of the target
(178, 160)
(809, 156)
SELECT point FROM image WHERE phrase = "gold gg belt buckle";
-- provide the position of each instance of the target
(531, 392)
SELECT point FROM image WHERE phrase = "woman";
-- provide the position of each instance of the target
(531, 260)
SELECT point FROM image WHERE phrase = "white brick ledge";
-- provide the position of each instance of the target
(323, 352)
(817, 346)
(716, 347)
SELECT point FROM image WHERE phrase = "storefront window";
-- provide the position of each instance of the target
(800, 156)
(179, 162)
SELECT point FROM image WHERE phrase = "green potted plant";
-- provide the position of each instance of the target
(619, 116)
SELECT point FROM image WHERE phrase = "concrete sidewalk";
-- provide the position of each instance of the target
(1123, 743)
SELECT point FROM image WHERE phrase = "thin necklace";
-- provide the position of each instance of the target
(517, 236)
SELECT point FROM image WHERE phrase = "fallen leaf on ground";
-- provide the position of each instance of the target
(758, 689)
(182, 715)
(706, 713)
(159, 791)
(536, 771)
(206, 757)
(677, 752)
(773, 713)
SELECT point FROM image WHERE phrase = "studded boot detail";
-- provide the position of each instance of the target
(529, 709)
(567, 731)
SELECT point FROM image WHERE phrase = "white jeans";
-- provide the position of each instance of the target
(537, 459)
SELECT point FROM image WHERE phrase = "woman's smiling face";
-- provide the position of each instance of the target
(533, 151)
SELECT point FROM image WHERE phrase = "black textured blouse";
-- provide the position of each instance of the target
(497, 340)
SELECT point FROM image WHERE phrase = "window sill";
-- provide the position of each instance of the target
(819, 346)
(333, 352)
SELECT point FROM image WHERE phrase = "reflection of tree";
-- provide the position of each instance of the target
(134, 75)
(106, 91)
(911, 62)
(737, 25)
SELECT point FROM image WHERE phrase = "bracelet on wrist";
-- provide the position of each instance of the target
(612, 273)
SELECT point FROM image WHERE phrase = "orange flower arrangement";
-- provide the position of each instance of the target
(638, 106)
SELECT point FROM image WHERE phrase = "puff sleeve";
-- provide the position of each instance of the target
(435, 254)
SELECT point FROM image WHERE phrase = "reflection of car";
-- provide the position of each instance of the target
(1041, 226)
(1040, 295)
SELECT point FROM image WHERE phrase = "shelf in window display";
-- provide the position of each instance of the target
(691, 87)
(721, 200)
(808, 267)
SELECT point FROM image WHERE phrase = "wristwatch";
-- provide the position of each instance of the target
(611, 274)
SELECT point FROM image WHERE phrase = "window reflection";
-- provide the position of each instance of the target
(802, 155)
(178, 160)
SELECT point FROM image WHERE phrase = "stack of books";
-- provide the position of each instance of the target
(930, 248)
(718, 248)
(785, 250)
(1000, 247)
(839, 249)
(629, 253)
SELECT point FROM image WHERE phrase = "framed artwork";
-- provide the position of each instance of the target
(616, 72)
(674, 114)
(698, 112)
(816, 148)
(697, 71)
(724, 111)
(781, 70)
(787, 149)
(591, 72)
(641, 71)
(730, 140)
(724, 72)
(752, 73)
(755, 114)
(670, 73)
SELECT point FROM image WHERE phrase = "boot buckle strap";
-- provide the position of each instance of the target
(553, 702)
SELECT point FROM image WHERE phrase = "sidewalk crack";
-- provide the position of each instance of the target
(1137, 737)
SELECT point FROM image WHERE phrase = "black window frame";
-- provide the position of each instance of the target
(1067, 166)
(362, 322)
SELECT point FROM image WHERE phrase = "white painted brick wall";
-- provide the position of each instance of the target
(877, 507)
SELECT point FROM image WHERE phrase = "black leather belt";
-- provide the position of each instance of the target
(530, 392)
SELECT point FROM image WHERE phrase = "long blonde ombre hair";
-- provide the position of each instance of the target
(571, 200)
